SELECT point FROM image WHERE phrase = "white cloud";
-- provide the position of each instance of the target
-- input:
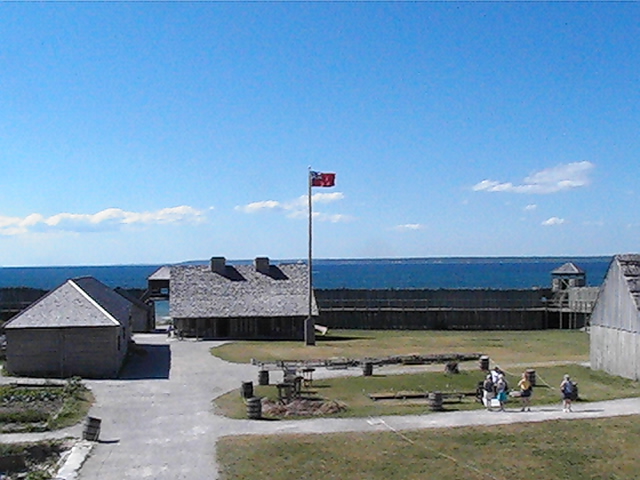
(531, 207)
(333, 218)
(298, 208)
(325, 197)
(108, 219)
(550, 180)
(553, 221)
(258, 206)
(409, 227)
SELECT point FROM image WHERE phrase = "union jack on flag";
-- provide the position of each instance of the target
(319, 179)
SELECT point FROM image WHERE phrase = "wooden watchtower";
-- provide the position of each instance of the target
(567, 276)
(568, 281)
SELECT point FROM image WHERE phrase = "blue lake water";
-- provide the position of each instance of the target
(432, 273)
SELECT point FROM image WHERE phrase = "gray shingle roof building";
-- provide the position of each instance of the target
(243, 301)
(80, 328)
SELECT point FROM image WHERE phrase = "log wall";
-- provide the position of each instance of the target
(436, 309)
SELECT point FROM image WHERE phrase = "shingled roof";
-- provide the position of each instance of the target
(568, 268)
(240, 291)
(630, 269)
(81, 302)
(161, 273)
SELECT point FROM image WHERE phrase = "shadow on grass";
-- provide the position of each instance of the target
(338, 338)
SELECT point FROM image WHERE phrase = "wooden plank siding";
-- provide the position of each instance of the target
(615, 321)
(65, 352)
(286, 328)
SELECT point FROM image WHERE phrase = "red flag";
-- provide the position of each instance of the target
(322, 179)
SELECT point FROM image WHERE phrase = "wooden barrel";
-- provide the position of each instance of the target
(254, 408)
(435, 401)
(247, 389)
(91, 429)
(484, 363)
(531, 376)
(263, 377)
(367, 369)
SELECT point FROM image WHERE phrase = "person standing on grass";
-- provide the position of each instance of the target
(526, 390)
(567, 388)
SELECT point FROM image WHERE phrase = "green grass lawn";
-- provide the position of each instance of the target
(568, 450)
(353, 391)
(577, 449)
(512, 350)
(504, 347)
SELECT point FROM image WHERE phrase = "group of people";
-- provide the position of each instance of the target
(495, 387)
(495, 391)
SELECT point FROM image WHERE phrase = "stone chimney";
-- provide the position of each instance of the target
(262, 264)
(218, 265)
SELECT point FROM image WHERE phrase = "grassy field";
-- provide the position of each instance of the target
(577, 449)
(512, 350)
(353, 391)
(504, 347)
(568, 450)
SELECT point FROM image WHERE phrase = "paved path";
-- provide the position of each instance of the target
(158, 423)
(611, 408)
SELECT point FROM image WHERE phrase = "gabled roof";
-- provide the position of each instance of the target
(163, 273)
(630, 269)
(131, 298)
(568, 268)
(240, 291)
(82, 302)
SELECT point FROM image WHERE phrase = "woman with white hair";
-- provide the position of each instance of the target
(487, 392)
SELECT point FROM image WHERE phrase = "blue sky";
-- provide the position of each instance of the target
(163, 132)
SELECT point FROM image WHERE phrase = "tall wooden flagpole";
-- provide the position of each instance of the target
(309, 324)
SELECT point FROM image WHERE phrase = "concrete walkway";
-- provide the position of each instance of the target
(544, 413)
(158, 422)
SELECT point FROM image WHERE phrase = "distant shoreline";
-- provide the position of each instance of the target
(455, 259)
